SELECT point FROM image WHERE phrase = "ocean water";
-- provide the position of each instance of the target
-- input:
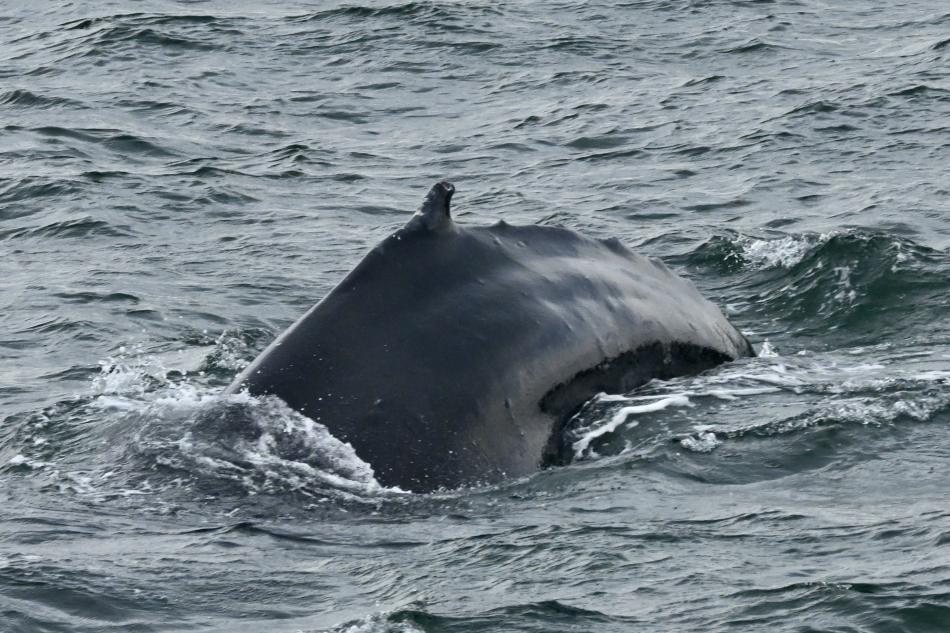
(180, 180)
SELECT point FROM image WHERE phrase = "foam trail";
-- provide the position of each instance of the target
(732, 393)
(583, 444)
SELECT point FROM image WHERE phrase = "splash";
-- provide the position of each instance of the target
(131, 372)
(152, 423)
(260, 444)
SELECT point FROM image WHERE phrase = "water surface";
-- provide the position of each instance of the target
(180, 180)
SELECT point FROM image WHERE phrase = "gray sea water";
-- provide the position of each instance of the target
(180, 180)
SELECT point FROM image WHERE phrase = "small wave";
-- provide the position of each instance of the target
(733, 203)
(292, 153)
(422, 12)
(783, 252)
(130, 144)
(31, 188)
(699, 81)
(391, 622)
(81, 227)
(544, 615)
(743, 251)
(862, 283)
(922, 90)
(580, 45)
(819, 106)
(908, 606)
(105, 36)
(141, 18)
(27, 99)
(160, 107)
(84, 297)
(126, 144)
(605, 141)
(754, 45)
(47, 324)
(855, 411)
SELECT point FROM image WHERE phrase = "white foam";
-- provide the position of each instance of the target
(900, 258)
(134, 371)
(784, 252)
(932, 376)
(377, 623)
(129, 376)
(230, 352)
(187, 360)
(282, 451)
(607, 397)
(845, 293)
(767, 350)
(581, 447)
(341, 467)
(23, 460)
(702, 442)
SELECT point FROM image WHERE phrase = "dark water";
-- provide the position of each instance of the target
(179, 181)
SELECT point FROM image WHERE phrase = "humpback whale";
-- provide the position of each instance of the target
(454, 355)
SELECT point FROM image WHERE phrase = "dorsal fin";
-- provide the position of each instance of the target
(434, 213)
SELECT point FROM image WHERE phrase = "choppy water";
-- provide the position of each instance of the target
(179, 181)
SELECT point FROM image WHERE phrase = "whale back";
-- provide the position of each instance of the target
(451, 355)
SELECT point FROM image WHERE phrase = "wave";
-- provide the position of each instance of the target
(119, 35)
(421, 12)
(755, 45)
(543, 615)
(81, 227)
(27, 99)
(909, 606)
(105, 34)
(862, 285)
(51, 142)
(87, 23)
(31, 188)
